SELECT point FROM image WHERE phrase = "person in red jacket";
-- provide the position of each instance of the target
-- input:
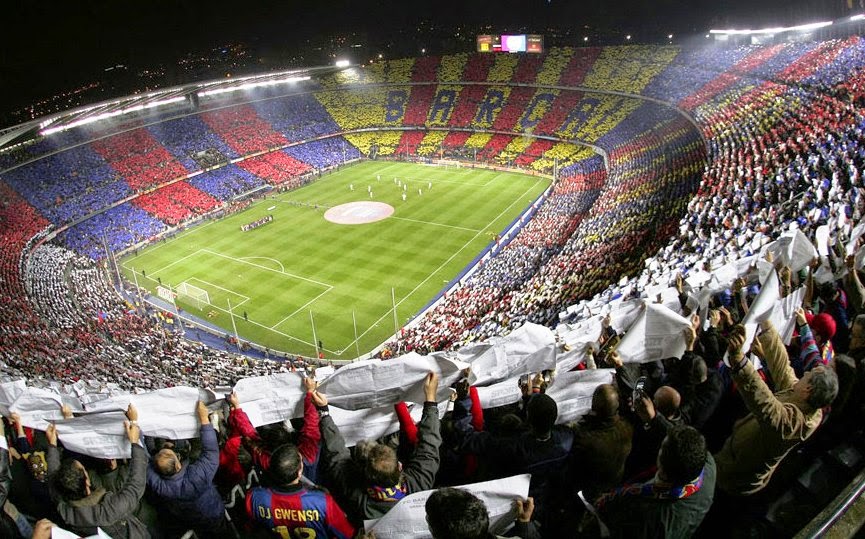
(307, 442)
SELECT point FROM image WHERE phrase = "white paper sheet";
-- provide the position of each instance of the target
(762, 306)
(500, 394)
(657, 334)
(100, 435)
(582, 332)
(166, 413)
(39, 407)
(568, 360)
(855, 234)
(784, 314)
(368, 424)
(9, 391)
(374, 383)
(407, 519)
(271, 399)
(60, 533)
(573, 391)
(793, 249)
(529, 348)
(821, 237)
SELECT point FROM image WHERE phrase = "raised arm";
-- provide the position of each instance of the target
(757, 396)
(420, 472)
(208, 463)
(310, 435)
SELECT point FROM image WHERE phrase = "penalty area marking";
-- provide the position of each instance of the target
(281, 267)
(208, 283)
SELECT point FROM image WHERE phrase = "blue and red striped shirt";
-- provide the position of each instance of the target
(298, 513)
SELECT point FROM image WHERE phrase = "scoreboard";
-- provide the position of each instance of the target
(511, 43)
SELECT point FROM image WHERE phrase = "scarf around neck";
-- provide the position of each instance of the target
(654, 488)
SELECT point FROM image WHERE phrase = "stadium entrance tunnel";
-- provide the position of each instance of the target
(358, 213)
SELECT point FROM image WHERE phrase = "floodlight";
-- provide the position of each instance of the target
(342, 63)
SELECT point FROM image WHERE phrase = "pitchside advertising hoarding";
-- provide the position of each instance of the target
(533, 43)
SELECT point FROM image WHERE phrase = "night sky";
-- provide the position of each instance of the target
(50, 45)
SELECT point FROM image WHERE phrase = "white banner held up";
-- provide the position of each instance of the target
(165, 413)
(529, 348)
(271, 399)
(9, 391)
(407, 519)
(657, 334)
(39, 407)
(573, 391)
(374, 383)
(500, 394)
(365, 424)
(764, 303)
(784, 314)
(99, 435)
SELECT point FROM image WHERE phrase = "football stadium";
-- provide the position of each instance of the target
(519, 290)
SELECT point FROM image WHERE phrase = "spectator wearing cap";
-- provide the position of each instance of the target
(671, 504)
(542, 450)
(777, 421)
(815, 340)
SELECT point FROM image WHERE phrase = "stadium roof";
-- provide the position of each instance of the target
(177, 96)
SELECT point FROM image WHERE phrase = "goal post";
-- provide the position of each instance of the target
(193, 292)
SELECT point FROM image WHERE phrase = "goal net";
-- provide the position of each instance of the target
(199, 295)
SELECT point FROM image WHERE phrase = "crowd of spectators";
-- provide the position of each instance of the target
(780, 154)
(224, 183)
(324, 153)
(117, 228)
(277, 168)
(188, 138)
(297, 117)
(139, 159)
(243, 130)
(176, 203)
(61, 190)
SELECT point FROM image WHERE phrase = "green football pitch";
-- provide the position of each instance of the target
(302, 270)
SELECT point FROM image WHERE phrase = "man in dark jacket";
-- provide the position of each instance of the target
(186, 491)
(456, 513)
(8, 528)
(602, 442)
(83, 509)
(674, 502)
(372, 491)
(541, 451)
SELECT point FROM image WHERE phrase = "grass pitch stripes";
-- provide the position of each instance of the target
(301, 262)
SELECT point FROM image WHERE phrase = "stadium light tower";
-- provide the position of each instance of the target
(342, 63)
